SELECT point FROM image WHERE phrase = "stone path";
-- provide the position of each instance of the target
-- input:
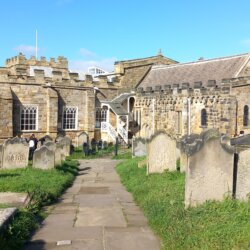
(96, 213)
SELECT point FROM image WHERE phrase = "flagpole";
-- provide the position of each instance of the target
(36, 44)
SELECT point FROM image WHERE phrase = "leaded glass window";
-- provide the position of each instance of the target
(69, 118)
(29, 117)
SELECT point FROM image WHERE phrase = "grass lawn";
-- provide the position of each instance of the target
(214, 225)
(110, 151)
(44, 187)
(78, 153)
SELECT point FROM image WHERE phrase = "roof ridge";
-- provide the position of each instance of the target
(143, 58)
(200, 61)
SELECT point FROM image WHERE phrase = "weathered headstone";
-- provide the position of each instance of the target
(48, 138)
(243, 176)
(161, 153)
(65, 142)
(15, 153)
(50, 145)
(44, 158)
(242, 145)
(210, 170)
(183, 162)
(139, 147)
(82, 138)
(59, 154)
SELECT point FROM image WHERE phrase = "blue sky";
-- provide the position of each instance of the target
(100, 32)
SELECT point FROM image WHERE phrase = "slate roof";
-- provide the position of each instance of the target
(204, 70)
(116, 103)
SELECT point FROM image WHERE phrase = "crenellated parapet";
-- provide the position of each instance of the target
(20, 59)
(19, 70)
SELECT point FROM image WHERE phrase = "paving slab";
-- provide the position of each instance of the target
(111, 216)
(96, 200)
(14, 199)
(130, 239)
(96, 213)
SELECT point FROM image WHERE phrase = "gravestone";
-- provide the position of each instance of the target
(59, 137)
(209, 173)
(48, 138)
(104, 145)
(59, 154)
(161, 153)
(44, 158)
(242, 145)
(65, 142)
(243, 177)
(183, 162)
(15, 153)
(83, 138)
(139, 147)
(50, 145)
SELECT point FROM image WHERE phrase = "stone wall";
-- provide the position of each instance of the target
(50, 89)
(167, 109)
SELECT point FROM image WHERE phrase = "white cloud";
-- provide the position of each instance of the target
(87, 54)
(92, 59)
(246, 43)
(26, 50)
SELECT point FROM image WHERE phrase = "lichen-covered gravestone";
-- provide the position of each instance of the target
(139, 147)
(44, 158)
(161, 153)
(50, 145)
(15, 153)
(65, 142)
(82, 138)
(209, 173)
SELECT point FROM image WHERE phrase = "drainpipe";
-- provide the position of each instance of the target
(236, 118)
(153, 104)
(189, 116)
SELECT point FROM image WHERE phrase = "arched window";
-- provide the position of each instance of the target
(100, 116)
(245, 116)
(203, 117)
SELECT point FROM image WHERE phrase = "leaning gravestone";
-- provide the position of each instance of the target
(83, 138)
(44, 158)
(209, 173)
(15, 153)
(139, 147)
(65, 142)
(161, 153)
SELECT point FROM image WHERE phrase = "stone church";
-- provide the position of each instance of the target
(191, 97)
(44, 98)
(141, 96)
